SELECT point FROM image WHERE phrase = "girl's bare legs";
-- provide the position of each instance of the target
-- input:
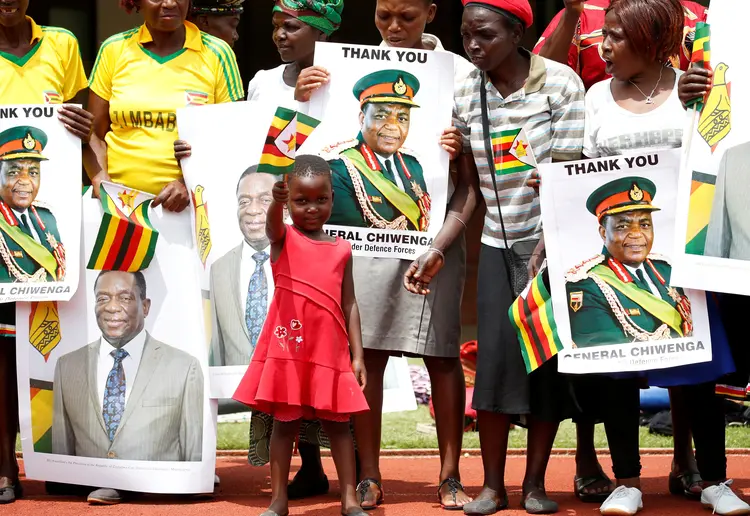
(342, 449)
(282, 442)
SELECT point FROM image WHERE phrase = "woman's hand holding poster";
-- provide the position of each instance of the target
(609, 230)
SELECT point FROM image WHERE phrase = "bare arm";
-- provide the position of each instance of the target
(557, 44)
(275, 227)
(353, 325)
(462, 205)
(95, 153)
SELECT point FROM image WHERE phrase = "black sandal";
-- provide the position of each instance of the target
(363, 487)
(454, 485)
(681, 484)
(582, 483)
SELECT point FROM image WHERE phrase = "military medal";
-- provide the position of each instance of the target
(51, 240)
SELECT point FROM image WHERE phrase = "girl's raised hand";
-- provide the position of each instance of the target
(309, 80)
(360, 373)
(280, 192)
(452, 142)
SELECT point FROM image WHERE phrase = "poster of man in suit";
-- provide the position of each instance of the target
(116, 378)
(381, 121)
(40, 164)
(145, 387)
(615, 303)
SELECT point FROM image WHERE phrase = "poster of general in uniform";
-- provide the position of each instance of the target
(118, 397)
(382, 114)
(614, 301)
(40, 216)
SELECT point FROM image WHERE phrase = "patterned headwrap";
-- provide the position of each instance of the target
(218, 7)
(324, 15)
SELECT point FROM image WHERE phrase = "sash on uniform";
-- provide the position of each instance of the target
(657, 307)
(400, 199)
(34, 249)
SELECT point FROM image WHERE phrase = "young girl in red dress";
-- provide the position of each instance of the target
(301, 367)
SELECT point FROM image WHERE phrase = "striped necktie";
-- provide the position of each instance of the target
(256, 305)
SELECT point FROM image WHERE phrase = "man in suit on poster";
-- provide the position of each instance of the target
(241, 280)
(126, 395)
(728, 233)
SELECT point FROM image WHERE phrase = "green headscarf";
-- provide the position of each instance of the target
(324, 15)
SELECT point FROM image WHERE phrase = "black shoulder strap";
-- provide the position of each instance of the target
(487, 136)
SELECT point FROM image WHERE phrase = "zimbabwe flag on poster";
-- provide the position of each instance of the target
(126, 240)
(289, 130)
(701, 55)
(512, 151)
(702, 188)
(531, 315)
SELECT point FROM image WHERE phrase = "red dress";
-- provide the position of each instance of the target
(301, 367)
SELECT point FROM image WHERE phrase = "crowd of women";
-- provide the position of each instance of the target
(573, 100)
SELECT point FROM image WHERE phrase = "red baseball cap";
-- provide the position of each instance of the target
(518, 8)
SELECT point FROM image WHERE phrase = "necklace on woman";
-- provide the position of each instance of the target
(650, 97)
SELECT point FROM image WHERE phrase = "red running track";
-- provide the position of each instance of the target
(409, 483)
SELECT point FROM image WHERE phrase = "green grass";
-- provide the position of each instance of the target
(400, 432)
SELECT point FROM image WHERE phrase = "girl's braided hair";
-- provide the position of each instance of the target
(129, 5)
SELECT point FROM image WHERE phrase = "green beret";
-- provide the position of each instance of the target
(387, 87)
(22, 142)
(621, 195)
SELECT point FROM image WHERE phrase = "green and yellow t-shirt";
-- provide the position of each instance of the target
(144, 92)
(50, 73)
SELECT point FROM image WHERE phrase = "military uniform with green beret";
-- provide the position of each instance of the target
(607, 302)
(30, 247)
(367, 192)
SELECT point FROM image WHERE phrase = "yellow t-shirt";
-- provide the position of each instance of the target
(145, 90)
(50, 73)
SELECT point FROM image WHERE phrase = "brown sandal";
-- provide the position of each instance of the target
(453, 485)
(362, 489)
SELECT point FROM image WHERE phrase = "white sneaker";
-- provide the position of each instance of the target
(624, 501)
(722, 500)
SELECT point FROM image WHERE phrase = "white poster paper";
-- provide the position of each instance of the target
(136, 418)
(712, 237)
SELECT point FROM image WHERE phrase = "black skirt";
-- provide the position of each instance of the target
(502, 385)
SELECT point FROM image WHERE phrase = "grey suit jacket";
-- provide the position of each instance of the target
(230, 339)
(163, 419)
(728, 233)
